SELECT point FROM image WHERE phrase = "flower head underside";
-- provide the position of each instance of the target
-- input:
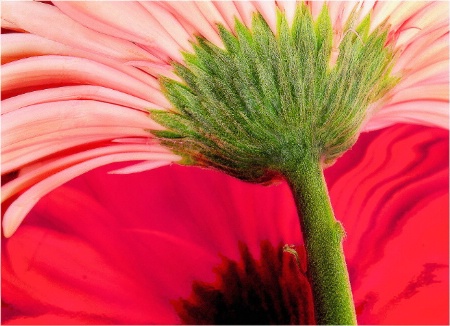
(265, 101)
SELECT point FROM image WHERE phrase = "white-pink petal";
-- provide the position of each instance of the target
(211, 13)
(228, 11)
(140, 167)
(17, 46)
(170, 24)
(28, 150)
(424, 51)
(41, 118)
(289, 8)
(191, 14)
(35, 17)
(423, 112)
(433, 74)
(51, 69)
(437, 92)
(268, 10)
(33, 173)
(82, 92)
(127, 20)
(246, 10)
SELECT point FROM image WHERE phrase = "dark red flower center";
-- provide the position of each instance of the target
(271, 290)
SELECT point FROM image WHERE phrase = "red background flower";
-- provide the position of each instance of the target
(117, 249)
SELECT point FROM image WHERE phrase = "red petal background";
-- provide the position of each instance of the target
(116, 249)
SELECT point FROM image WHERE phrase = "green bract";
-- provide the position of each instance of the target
(264, 103)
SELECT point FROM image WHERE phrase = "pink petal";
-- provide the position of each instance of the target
(153, 69)
(432, 14)
(316, 7)
(246, 10)
(33, 132)
(34, 174)
(366, 8)
(82, 92)
(190, 13)
(228, 11)
(268, 10)
(433, 92)
(140, 167)
(135, 140)
(339, 12)
(24, 152)
(424, 51)
(428, 113)
(170, 24)
(420, 77)
(210, 12)
(396, 12)
(30, 15)
(289, 8)
(42, 118)
(127, 20)
(50, 70)
(17, 46)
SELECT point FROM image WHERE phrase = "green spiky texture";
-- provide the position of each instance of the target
(257, 107)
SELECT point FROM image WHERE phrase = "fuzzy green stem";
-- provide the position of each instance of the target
(333, 302)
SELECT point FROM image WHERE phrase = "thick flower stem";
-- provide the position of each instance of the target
(333, 302)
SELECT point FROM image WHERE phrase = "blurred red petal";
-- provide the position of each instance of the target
(141, 240)
(392, 197)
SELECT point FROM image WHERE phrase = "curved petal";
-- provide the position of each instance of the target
(29, 16)
(28, 151)
(422, 64)
(269, 12)
(63, 70)
(424, 112)
(82, 92)
(39, 124)
(16, 46)
(127, 20)
(191, 14)
(228, 11)
(170, 23)
(246, 10)
(33, 174)
(210, 12)
(62, 115)
(424, 51)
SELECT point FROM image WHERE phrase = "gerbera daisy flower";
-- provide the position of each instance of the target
(267, 90)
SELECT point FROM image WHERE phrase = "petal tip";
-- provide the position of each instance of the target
(12, 219)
